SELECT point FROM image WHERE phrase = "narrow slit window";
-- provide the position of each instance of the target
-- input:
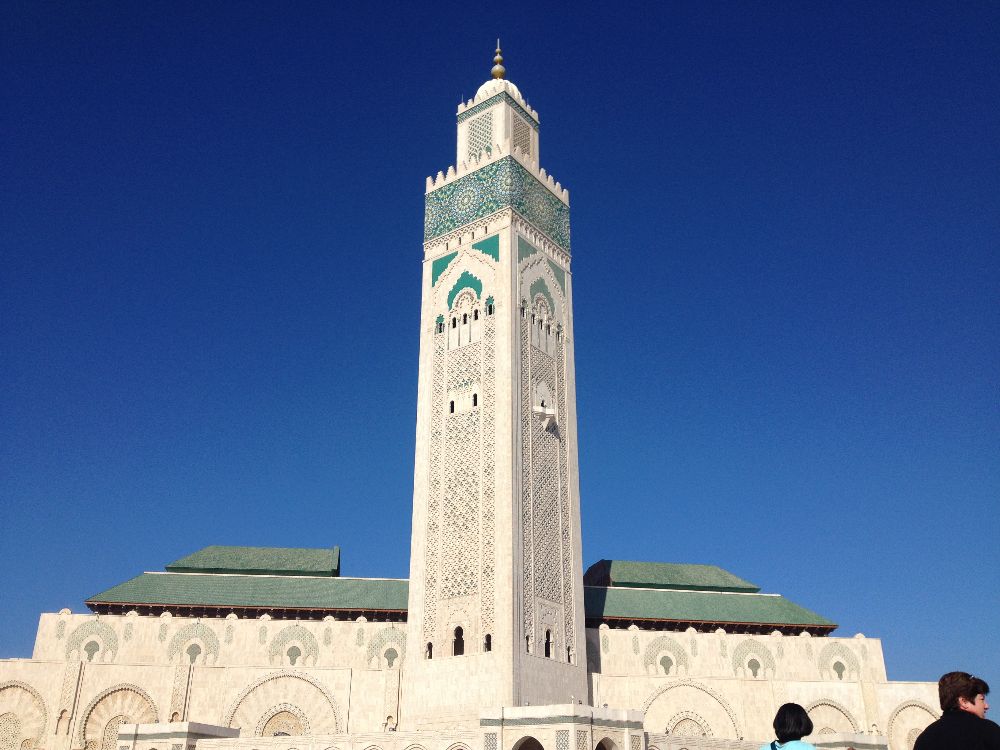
(488, 643)
(459, 643)
(451, 407)
(548, 644)
(475, 399)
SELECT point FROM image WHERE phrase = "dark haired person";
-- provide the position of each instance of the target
(963, 723)
(791, 724)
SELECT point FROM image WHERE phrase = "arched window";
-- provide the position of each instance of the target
(429, 651)
(548, 644)
(193, 651)
(90, 649)
(465, 318)
(454, 322)
(754, 666)
(293, 654)
(488, 642)
(489, 309)
(390, 656)
(458, 648)
(475, 314)
(440, 326)
(839, 668)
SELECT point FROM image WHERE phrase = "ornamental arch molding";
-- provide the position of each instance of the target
(831, 704)
(749, 650)
(381, 642)
(283, 719)
(121, 700)
(197, 632)
(667, 646)
(833, 652)
(92, 631)
(458, 746)
(26, 707)
(688, 724)
(310, 698)
(918, 716)
(723, 704)
(299, 638)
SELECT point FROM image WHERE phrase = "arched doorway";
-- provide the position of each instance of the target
(606, 744)
(528, 743)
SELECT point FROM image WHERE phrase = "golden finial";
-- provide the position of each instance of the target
(498, 70)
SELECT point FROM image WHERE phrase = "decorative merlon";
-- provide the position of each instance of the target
(498, 152)
(490, 89)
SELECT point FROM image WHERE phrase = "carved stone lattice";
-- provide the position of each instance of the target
(434, 488)
(195, 630)
(546, 522)
(109, 740)
(527, 556)
(10, 732)
(566, 511)
(635, 742)
(562, 739)
(488, 575)
(460, 554)
(490, 741)
(522, 136)
(581, 739)
(480, 135)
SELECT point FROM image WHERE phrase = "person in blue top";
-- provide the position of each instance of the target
(791, 724)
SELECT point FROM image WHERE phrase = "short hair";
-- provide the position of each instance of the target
(792, 723)
(955, 685)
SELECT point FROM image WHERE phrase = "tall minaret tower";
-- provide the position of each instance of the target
(496, 589)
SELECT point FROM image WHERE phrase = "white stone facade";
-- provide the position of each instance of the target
(494, 654)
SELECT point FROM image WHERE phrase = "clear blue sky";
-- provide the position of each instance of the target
(785, 225)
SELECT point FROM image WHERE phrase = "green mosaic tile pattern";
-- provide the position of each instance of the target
(490, 246)
(524, 249)
(664, 576)
(465, 281)
(288, 561)
(538, 286)
(440, 265)
(278, 592)
(560, 275)
(502, 96)
(502, 184)
(697, 606)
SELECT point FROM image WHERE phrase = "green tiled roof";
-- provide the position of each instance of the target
(697, 606)
(258, 592)
(677, 576)
(286, 561)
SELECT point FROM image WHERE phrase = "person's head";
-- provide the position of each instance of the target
(962, 691)
(792, 723)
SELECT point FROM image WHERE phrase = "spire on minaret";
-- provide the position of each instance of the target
(498, 69)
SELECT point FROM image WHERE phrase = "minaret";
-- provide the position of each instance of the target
(496, 590)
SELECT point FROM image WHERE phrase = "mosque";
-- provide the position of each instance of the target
(499, 640)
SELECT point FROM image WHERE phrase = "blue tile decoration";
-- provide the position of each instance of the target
(502, 184)
(560, 276)
(502, 96)
(540, 287)
(438, 266)
(465, 281)
(490, 246)
(524, 249)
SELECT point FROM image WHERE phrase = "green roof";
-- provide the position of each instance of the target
(258, 592)
(676, 576)
(698, 606)
(285, 561)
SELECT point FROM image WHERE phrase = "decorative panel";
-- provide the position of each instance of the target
(501, 184)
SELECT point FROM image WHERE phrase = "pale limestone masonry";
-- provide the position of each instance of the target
(493, 653)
